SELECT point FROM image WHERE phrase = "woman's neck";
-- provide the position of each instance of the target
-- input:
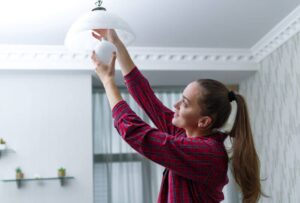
(197, 132)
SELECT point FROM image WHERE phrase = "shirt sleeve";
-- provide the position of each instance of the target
(187, 157)
(140, 89)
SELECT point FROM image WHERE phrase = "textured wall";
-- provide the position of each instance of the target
(273, 100)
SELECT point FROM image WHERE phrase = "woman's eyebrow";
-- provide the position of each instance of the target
(186, 98)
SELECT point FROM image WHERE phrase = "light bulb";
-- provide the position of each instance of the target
(104, 51)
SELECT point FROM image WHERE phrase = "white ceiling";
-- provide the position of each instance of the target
(156, 23)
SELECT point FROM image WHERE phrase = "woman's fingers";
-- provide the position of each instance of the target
(96, 61)
(113, 60)
(99, 37)
(104, 71)
(93, 57)
(101, 32)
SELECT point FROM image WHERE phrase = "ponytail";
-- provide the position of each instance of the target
(233, 119)
(245, 161)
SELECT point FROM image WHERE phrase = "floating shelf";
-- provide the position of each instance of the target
(2, 148)
(5, 148)
(19, 181)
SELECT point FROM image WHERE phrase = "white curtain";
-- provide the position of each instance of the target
(120, 174)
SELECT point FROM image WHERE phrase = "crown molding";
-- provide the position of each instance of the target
(153, 58)
(158, 58)
(281, 33)
(191, 54)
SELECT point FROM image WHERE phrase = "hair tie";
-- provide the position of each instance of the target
(231, 96)
(228, 125)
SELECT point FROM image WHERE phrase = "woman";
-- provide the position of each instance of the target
(187, 142)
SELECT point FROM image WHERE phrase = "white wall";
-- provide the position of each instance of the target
(46, 117)
(273, 96)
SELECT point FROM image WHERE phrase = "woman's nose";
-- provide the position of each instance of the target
(176, 105)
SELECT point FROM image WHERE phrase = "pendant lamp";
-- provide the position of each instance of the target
(79, 37)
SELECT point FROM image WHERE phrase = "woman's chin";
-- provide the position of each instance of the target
(174, 122)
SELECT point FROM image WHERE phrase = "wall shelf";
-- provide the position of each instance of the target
(62, 180)
(4, 148)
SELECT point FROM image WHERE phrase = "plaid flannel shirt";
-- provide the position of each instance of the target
(196, 168)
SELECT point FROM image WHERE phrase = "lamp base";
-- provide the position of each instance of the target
(99, 9)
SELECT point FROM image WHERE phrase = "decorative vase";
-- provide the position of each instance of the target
(61, 173)
(19, 175)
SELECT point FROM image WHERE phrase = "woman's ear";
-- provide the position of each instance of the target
(204, 122)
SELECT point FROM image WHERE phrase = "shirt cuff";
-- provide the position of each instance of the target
(119, 108)
(132, 75)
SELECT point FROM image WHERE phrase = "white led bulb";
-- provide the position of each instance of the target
(104, 51)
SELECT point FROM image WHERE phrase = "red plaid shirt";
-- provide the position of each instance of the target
(196, 168)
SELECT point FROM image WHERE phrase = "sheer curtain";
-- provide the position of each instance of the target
(120, 174)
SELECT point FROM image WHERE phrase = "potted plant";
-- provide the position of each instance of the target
(2, 144)
(61, 172)
(19, 174)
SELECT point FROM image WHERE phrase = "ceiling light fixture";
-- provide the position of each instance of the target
(79, 37)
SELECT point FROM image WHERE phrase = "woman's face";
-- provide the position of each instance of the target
(187, 109)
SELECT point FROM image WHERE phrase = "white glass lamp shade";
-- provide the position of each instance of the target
(79, 38)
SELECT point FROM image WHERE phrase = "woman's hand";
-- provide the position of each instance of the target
(107, 34)
(106, 72)
(124, 58)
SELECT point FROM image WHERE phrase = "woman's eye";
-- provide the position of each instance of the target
(184, 104)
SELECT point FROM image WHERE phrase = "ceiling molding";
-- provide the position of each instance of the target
(58, 58)
(191, 54)
(281, 33)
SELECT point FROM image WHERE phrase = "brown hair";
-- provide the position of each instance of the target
(214, 102)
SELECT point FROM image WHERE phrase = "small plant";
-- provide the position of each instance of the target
(2, 141)
(19, 173)
(18, 170)
(61, 172)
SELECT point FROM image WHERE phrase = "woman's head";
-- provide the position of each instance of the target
(187, 110)
(205, 106)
